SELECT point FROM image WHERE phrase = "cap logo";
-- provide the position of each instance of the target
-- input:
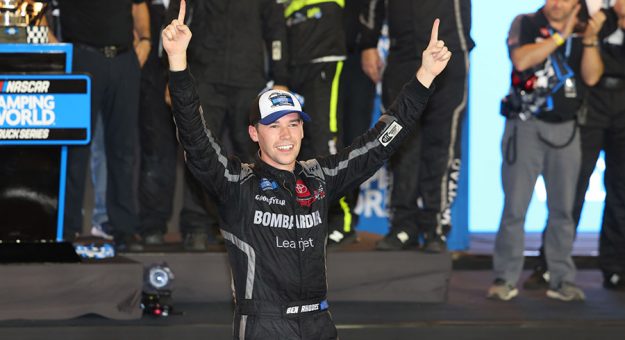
(274, 104)
(281, 99)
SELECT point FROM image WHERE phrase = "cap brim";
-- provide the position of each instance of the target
(279, 114)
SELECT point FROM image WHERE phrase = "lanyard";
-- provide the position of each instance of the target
(567, 47)
(558, 69)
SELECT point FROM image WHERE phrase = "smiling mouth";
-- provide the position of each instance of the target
(285, 147)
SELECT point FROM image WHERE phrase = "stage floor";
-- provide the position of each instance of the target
(467, 315)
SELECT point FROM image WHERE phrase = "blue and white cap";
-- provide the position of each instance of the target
(273, 104)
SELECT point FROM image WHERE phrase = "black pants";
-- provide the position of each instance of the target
(605, 130)
(609, 136)
(612, 237)
(358, 92)
(319, 84)
(226, 111)
(318, 326)
(159, 147)
(115, 94)
(426, 167)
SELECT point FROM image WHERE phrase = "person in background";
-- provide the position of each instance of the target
(103, 38)
(317, 51)
(157, 137)
(234, 43)
(603, 129)
(358, 92)
(551, 65)
(426, 169)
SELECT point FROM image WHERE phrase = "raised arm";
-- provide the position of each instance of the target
(592, 64)
(203, 154)
(352, 165)
(176, 38)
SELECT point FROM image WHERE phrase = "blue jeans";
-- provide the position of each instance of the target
(98, 173)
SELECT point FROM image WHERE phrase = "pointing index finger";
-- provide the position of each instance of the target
(434, 36)
(183, 10)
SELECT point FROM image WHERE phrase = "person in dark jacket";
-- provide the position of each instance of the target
(157, 137)
(234, 42)
(357, 91)
(102, 34)
(275, 210)
(317, 51)
(605, 129)
(426, 169)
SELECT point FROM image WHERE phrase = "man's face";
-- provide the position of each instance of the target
(559, 10)
(280, 141)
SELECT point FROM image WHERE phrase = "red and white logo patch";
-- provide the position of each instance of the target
(304, 197)
(301, 189)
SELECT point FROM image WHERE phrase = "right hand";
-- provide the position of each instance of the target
(176, 37)
(371, 64)
(434, 58)
(571, 21)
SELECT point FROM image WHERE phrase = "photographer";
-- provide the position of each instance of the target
(551, 65)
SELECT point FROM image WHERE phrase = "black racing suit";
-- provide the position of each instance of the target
(426, 168)
(357, 90)
(231, 38)
(317, 52)
(275, 222)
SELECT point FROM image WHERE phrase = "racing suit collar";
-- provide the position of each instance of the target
(266, 169)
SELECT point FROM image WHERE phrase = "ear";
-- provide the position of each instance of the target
(251, 129)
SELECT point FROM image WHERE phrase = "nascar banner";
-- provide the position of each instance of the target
(45, 109)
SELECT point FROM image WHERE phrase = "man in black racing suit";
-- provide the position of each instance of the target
(274, 211)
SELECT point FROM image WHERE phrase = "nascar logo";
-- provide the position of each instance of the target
(25, 86)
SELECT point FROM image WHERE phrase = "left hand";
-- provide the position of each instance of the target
(594, 26)
(142, 49)
(435, 58)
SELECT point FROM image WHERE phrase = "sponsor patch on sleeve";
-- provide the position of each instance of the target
(389, 133)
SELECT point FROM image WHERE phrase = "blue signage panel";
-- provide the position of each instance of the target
(45, 109)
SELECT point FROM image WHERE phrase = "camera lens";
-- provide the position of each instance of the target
(159, 278)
